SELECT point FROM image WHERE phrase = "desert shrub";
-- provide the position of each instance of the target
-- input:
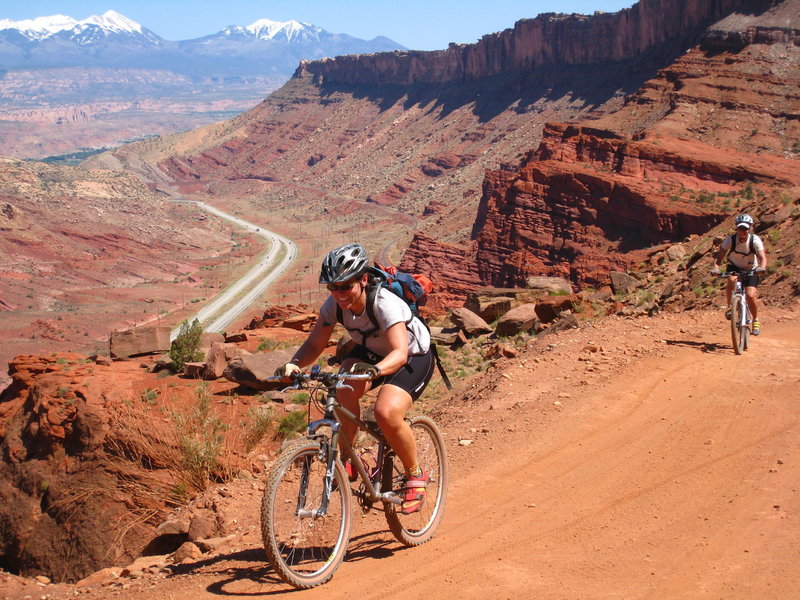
(259, 424)
(186, 347)
(299, 398)
(268, 344)
(201, 434)
(294, 422)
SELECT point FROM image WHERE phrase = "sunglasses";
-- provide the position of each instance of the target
(341, 287)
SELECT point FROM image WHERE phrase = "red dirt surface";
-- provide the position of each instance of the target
(631, 458)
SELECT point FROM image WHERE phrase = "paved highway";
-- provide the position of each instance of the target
(219, 313)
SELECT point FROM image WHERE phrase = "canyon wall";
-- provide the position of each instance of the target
(549, 39)
(590, 201)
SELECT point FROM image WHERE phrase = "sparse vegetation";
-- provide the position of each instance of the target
(260, 421)
(268, 344)
(200, 437)
(293, 423)
(186, 347)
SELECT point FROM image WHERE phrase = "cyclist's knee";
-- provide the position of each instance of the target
(391, 409)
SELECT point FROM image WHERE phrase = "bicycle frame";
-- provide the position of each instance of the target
(739, 297)
(330, 444)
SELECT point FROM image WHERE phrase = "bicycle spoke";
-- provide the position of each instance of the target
(304, 546)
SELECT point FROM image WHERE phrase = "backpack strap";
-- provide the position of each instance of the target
(372, 292)
(751, 245)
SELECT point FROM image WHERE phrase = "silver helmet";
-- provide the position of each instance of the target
(343, 264)
(744, 221)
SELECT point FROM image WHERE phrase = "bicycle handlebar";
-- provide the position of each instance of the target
(741, 273)
(327, 378)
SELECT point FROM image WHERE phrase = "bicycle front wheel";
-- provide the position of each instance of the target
(305, 543)
(417, 528)
(736, 321)
(744, 331)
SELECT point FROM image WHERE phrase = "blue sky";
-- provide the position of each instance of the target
(416, 24)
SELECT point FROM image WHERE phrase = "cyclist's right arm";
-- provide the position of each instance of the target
(721, 254)
(314, 344)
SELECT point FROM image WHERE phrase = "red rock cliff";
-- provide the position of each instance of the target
(549, 39)
(589, 201)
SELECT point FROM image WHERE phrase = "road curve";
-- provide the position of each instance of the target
(219, 313)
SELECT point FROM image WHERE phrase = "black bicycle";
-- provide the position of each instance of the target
(306, 509)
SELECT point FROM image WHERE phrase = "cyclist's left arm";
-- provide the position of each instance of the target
(761, 257)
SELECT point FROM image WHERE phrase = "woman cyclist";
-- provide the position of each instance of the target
(745, 253)
(397, 354)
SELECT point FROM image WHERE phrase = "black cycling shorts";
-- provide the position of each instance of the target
(747, 280)
(413, 377)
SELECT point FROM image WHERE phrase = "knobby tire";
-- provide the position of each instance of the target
(417, 528)
(736, 316)
(305, 551)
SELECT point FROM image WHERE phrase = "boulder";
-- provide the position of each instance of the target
(551, 308)
(201, 527)
(209, 338)
(451, 336)
(675, 252)
(518, 320)
(470, 323)
(488, 308)
(496, 351)
(218, 357)
(622, 283)
(194, 370)
(176, 526)
(188, 551)
(252, 370)
(567, 322)
(142, 340)
(100, 577)
(549, 285)
(236, 338)
(300, 322)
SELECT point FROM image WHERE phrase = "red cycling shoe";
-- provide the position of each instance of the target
(414, 494)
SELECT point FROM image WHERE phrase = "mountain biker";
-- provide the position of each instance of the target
(745, 252)
(397, 354)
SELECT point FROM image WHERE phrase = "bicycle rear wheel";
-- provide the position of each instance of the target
(303, 546)
(736, 319)
(417, 528)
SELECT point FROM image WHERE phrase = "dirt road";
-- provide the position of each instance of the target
(633, 458)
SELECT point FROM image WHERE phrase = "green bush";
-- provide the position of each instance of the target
(294, 422)
(186, 347)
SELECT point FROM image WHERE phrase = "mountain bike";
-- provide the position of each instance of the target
(306, 508)
(740, 314)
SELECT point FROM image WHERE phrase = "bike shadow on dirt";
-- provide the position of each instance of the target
(707, 347)
(260, 580)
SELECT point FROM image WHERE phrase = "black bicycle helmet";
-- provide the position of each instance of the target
(344, 264)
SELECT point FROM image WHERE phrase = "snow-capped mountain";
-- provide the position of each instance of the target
(264, 29)
(113, 40)
(87, 31)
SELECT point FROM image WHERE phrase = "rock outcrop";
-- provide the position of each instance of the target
(588, 201)
(649, 26)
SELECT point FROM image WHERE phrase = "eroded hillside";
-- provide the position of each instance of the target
(88, 252)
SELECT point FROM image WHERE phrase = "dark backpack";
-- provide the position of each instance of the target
(413, 289)
(752, 245)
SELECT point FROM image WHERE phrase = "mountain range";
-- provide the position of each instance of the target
(113, 40)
